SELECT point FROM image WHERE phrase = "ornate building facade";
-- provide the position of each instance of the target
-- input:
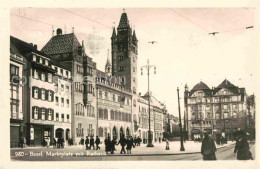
(220, 111)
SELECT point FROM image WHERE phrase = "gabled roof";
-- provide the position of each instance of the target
(200, 86)
(24, 47)
(62, 44)
(124, 23)
(226, 84)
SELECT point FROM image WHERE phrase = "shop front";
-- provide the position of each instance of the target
(39, 133)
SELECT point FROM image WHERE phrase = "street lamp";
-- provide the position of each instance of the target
(182, 147)
(148, 67)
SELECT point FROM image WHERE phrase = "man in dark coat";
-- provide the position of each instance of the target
(242, 148)
(62, 142)
(97, 143)
(208, 148)
(92, 142)
(122, 142)
(107, 142)
(113, 144)
(87, 142)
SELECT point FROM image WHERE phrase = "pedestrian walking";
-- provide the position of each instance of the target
(135, 141)
(24, 142)
(87, 142)
(113, 146)
(167, 145)
(160, 139)
(97, 143)
(92, 142)
(107, 142)
(208, 148)
(138, 141)
(132, 141)
(129, 145)
(242, 148)
(122, 142)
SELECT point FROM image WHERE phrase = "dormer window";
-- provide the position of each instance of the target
(34, 58)
(46, 62)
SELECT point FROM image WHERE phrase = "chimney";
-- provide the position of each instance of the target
(59, 31)
(31, 44)
(35, 47)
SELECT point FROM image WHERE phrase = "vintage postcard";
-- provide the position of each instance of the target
(132, 84)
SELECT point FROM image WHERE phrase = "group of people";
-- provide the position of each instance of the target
(89, 143)
(126, 144)
(59, 143)
(208, 147)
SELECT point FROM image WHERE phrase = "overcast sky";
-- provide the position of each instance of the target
(185, 52)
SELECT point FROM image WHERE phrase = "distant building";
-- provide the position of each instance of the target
(220, 111)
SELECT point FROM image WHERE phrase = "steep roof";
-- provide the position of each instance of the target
(14, 50)
(200, 86)
(226, 84)
(61, 44)
(114, 33)
(24, 47)
(134, 36)
(124, 22)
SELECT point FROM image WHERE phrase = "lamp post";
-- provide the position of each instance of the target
(182, 147)
(148, 67)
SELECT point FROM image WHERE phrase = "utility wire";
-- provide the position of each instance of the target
(189, 19)
(35, 20)
(85, 18)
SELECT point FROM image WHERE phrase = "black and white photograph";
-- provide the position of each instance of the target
(132, 84)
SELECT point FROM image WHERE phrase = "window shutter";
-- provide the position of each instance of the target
(33, 110)
(39, 93)
(52, 96)
(33, 88)
(39, 113)
(52, 114)
(46, 94)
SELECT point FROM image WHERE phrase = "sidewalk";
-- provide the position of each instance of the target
(158, 149)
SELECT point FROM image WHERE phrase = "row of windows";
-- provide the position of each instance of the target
(41, 75)
(200, 116)
(42, 113)
(216, 107)
(80, 110)
(41, 60)
(62, 101)
(43, 94)
(114, 115)
(113, 97)
(56, 88)
(62, 72)
(80, 130)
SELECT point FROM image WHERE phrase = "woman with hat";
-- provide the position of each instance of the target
(242, 147)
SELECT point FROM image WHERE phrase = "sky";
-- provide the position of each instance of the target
(185, 52)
